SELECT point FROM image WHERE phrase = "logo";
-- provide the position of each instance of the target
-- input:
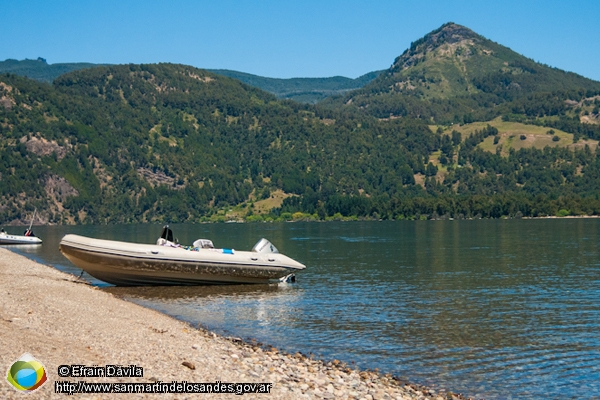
(27, 374)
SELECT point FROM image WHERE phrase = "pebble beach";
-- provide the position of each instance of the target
(61, 320)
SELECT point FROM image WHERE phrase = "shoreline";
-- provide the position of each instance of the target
(63, 321)
(22, 224)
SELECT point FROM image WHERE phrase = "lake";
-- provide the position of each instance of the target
(494, 309)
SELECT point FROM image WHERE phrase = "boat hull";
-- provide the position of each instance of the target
(131, 264)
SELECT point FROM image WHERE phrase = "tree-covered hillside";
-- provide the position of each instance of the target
(302, 90)
(172, 143)
(453, 75)
(40, 70)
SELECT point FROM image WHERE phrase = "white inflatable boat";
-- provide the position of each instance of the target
(167, 263)
(6, 238)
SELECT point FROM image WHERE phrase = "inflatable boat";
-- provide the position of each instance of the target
(168, 263)
(7, 238)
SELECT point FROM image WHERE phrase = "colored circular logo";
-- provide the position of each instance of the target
(27, 373)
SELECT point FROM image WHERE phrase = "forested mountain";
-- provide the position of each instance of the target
(40, 70)
(302, 90)
(453, 75)
(173, 143)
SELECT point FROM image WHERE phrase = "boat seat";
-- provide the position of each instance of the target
(204, 244)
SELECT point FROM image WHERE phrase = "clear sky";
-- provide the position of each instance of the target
(285, 39)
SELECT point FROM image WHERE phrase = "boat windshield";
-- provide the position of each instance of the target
(167, 233)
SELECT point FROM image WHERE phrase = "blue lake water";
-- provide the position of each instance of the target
(494, 309)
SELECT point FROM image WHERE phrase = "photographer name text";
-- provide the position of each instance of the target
(95, 371)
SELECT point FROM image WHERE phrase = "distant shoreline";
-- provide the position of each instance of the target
(343, 219)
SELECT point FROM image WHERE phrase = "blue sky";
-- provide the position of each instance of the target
(285, 39)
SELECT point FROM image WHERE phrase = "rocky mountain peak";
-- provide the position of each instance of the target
(448, 34)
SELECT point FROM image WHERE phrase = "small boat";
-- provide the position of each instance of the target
(168, 263)
(27, 238)
(6, 238)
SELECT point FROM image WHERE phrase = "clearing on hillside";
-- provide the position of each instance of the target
(517, 136)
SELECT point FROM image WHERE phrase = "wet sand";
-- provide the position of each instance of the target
(60, 320)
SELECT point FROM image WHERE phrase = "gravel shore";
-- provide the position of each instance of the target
(62, 321)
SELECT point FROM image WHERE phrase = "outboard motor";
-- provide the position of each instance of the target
(264, 246)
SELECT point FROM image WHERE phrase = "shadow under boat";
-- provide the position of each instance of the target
(175, 293)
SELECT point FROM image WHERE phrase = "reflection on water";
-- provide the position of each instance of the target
(494, 309)
(24, 248)
(240, 310)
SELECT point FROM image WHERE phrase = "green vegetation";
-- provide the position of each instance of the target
(40, 70)
(453, 75)
(302, 90)
(172, 143)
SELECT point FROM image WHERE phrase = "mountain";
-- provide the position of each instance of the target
(173, 143)
(40, 70)
(303, 90)
(455, 75)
